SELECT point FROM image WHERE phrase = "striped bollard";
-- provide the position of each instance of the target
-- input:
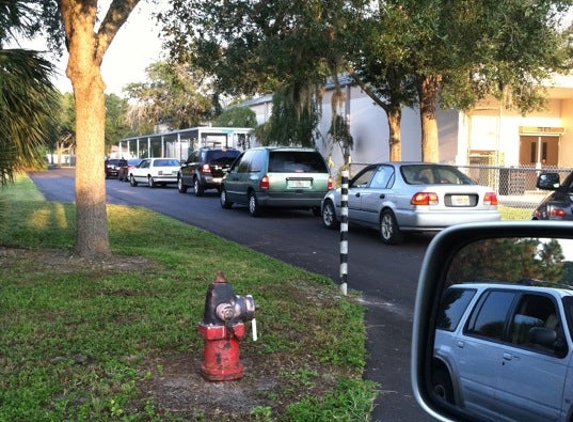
(344, 233)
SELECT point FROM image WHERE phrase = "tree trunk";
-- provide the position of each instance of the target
(428, 91)
(394, 119)
(92, 237)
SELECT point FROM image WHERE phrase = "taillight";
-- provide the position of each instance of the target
(329, 185)
(490, 198)
(264, 183)
(556, 213)
(205, 168)
(425, 198)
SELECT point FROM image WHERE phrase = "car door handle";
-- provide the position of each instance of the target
(357, 195)
(510, 356)
(461, 344)
(382, 196)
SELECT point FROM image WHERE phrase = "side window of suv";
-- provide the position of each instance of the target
(535, 310)
(244, 164)
(490, 314)
(452, 308)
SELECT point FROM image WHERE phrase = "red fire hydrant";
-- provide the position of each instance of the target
(222, 328)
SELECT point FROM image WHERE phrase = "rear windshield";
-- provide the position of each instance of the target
(434, 175)
(167, 162)
(296, 162)
(222, 157)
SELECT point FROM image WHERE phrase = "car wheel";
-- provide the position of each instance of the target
(329, 215)
(151, 182)
(224, 200)
(254, 208)
(389, 230)
(180, 186)
(132, 181)
(442, 386)
(199, 191)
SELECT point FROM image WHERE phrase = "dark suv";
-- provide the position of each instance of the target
(559, 204)
(112, 166)
(205, 168)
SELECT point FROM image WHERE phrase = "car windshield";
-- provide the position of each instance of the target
(296, 162)
(167, 162)
(434, 175)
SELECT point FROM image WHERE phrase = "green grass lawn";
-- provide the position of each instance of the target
(116, 340)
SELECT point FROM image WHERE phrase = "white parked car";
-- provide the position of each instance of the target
(155, 171)
(400, 197)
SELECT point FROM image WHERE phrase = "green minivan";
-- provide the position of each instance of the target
(279, 177)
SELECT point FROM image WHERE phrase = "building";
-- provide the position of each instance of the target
(490, 134)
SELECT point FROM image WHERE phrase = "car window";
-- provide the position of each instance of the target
(489, 316)
(258, 161)
(434, 175)
(452, 308)
(144, 164)
(362, 179)
(383, 177)
(245, 164)
(296, 162)
(222, 157)
(166, 163)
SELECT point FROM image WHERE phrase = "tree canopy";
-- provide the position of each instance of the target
(432, 53)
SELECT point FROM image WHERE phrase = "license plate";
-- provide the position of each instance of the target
(298, 183)
(460, 200)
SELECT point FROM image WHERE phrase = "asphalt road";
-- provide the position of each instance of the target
(387, 276)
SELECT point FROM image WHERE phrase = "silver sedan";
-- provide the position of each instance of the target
(401, 197)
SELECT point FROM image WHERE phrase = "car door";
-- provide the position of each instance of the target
(140, 172)
(236, 179)
(356, 190)
(477, 352)
(532, 377)
(376, 194)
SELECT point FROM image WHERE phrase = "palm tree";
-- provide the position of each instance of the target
(27, 97)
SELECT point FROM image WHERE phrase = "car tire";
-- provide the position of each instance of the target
(254, 208)
(442, 386)
(225, 203)
(389, 230)
(132, 180)
(329, 215)
(198, 189)
(151, 182)
(181, 186)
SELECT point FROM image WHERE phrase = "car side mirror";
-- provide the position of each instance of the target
(535, 259)
(548, 181)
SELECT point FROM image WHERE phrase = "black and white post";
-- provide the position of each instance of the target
(344, 233)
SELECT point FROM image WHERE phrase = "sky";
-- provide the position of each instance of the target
(136, 46)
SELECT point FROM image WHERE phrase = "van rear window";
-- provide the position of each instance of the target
(296, 162)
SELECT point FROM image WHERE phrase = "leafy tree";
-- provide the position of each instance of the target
(256, 47)
(87, 39)
(508, 260)
(28, 100)
(461, 51)
(63, 136)
(173, 96)
(116, 126)
(237, 117)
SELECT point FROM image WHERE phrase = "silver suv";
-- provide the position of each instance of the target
(505, 350)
